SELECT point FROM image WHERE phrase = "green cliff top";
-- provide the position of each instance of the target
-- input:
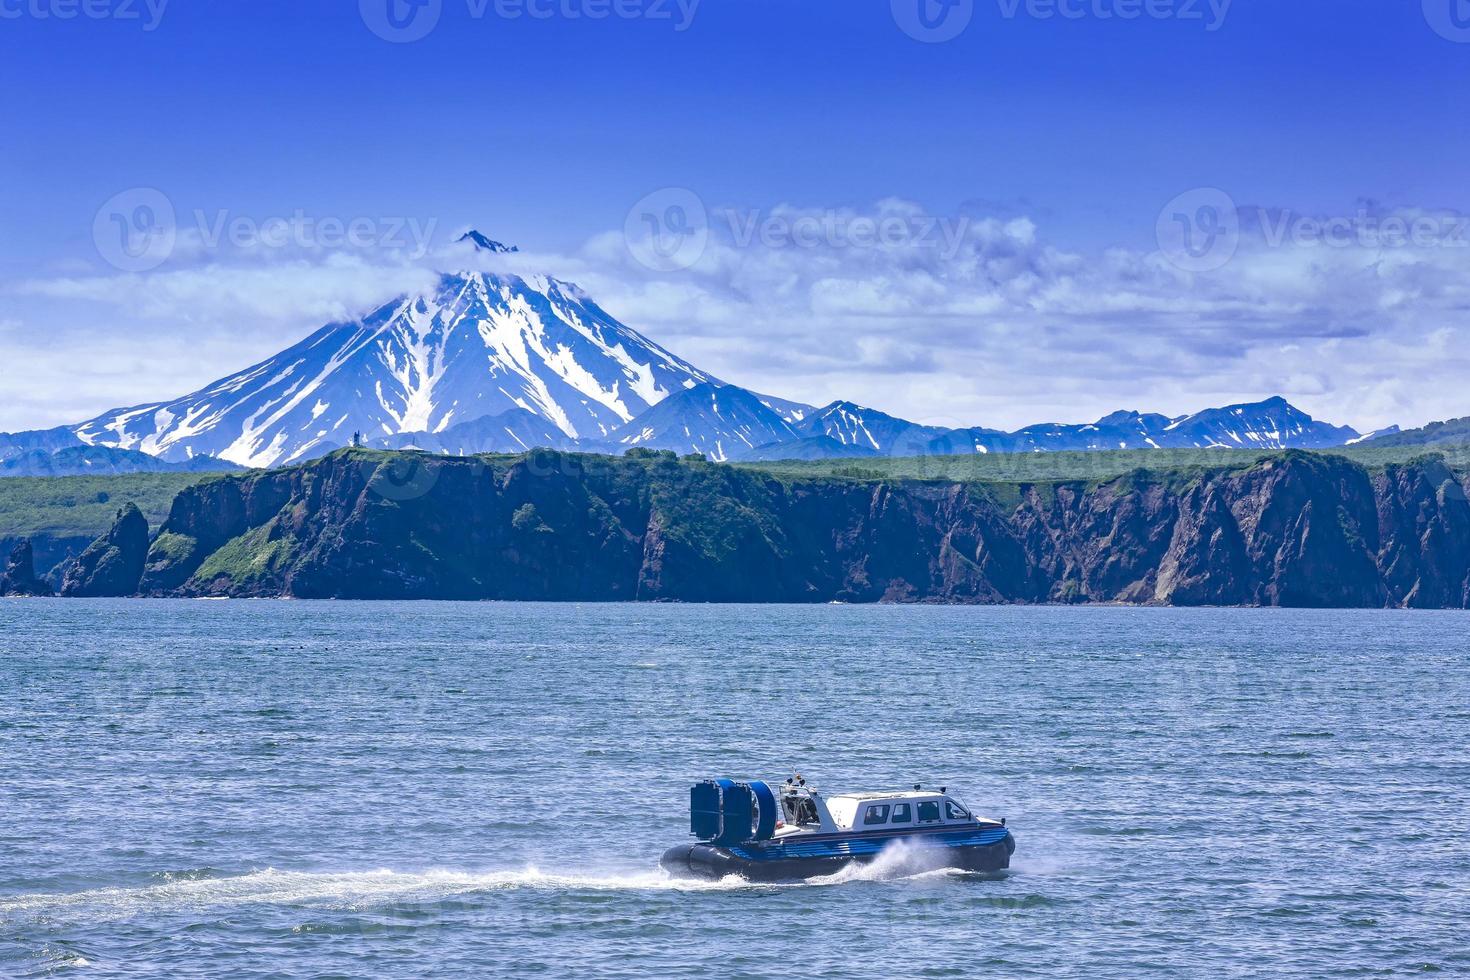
(1088, 467)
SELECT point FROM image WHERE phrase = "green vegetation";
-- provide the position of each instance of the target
(253, 555)
(175, 547)
(67, 506)
(526, 519)
(1079, 466)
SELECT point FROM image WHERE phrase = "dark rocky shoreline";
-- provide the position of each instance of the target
(1297, 529)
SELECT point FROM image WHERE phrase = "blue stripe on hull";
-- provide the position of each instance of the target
(866, 845)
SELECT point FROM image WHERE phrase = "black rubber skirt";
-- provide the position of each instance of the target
(710, 861)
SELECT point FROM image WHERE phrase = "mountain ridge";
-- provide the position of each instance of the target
(495, 361)
(1448, 432)
(84, 460)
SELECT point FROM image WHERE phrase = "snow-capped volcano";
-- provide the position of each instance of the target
(479, 344)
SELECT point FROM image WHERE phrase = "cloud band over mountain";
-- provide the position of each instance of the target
(993, 326)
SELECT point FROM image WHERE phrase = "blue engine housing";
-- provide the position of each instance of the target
(725, 812)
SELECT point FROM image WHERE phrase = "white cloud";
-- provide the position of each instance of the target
(340, 286)
(1011, 329)
(976, 321)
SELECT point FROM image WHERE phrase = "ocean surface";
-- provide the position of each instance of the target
(295, 789)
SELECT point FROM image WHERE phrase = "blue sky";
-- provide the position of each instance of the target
(1073, 130)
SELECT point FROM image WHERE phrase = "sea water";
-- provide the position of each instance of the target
(293, 789)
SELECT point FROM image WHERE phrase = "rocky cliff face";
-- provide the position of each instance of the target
(1424, 548)
(113, 564)
(18, 577)
(1293, 530)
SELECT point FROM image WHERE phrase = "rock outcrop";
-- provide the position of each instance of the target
(113, 564)
(1297, 529)
(19, 574)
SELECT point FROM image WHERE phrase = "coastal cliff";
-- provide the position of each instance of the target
(1296, 529)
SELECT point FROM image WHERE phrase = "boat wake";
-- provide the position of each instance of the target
(901, 859)
(359, 891)
(348, 891)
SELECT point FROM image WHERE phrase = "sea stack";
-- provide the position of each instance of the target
(19, 576)
(113, 564)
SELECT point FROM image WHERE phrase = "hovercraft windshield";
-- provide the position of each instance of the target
(798, 806)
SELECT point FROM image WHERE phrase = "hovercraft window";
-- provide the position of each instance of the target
(903, 812)
(928, 811)
(955, 811)
(875, 815)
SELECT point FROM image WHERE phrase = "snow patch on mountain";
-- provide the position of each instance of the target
(722, 422)
(850, 424)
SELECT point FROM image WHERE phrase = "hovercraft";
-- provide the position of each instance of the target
(792, 832)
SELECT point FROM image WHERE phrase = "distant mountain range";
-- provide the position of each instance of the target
(488, 362)
(1271, 424)
(103, 460)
